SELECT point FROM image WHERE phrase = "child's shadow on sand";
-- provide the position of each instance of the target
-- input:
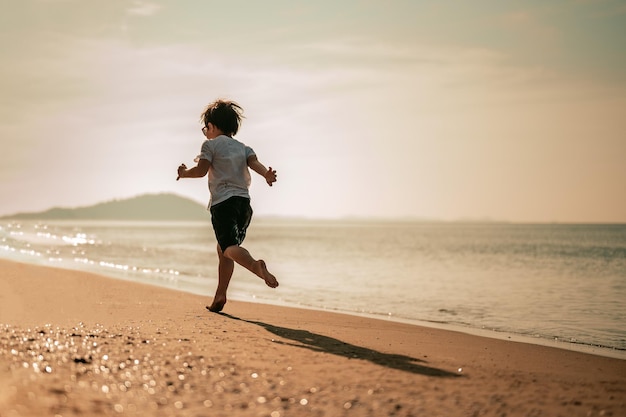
(319, 343)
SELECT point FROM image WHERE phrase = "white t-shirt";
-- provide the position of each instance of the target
(228, 174)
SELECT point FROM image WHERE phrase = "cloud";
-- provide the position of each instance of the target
(534, 26)
(420, 67)
(604, 8)
(143, 8)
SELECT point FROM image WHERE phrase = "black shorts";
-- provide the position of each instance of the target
(231, 219)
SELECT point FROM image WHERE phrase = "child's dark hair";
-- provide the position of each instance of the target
(223, 114)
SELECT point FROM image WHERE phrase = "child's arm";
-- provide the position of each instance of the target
(259, 168)
(198, 171)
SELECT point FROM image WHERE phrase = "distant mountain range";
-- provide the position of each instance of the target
(152, 207)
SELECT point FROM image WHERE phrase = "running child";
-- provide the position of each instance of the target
(227, 161)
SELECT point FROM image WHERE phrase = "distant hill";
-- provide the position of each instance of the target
(152, 207)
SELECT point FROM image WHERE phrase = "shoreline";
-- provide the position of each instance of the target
(588, 348)
(461, 293)
(75, 343)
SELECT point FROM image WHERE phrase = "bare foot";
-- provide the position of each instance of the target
(261, 270)
(217, 305)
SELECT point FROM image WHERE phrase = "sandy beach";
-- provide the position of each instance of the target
(78, 344)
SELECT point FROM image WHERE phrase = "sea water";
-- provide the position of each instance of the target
(548, 282)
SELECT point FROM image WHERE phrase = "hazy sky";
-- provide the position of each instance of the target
(508, 110)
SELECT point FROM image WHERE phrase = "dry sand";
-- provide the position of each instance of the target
(77, 344)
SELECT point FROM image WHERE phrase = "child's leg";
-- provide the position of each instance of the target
(225, 272)
(243, 258)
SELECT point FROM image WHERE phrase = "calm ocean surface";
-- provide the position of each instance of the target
(562, 284)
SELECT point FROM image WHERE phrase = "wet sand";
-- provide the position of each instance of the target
(78, 344)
